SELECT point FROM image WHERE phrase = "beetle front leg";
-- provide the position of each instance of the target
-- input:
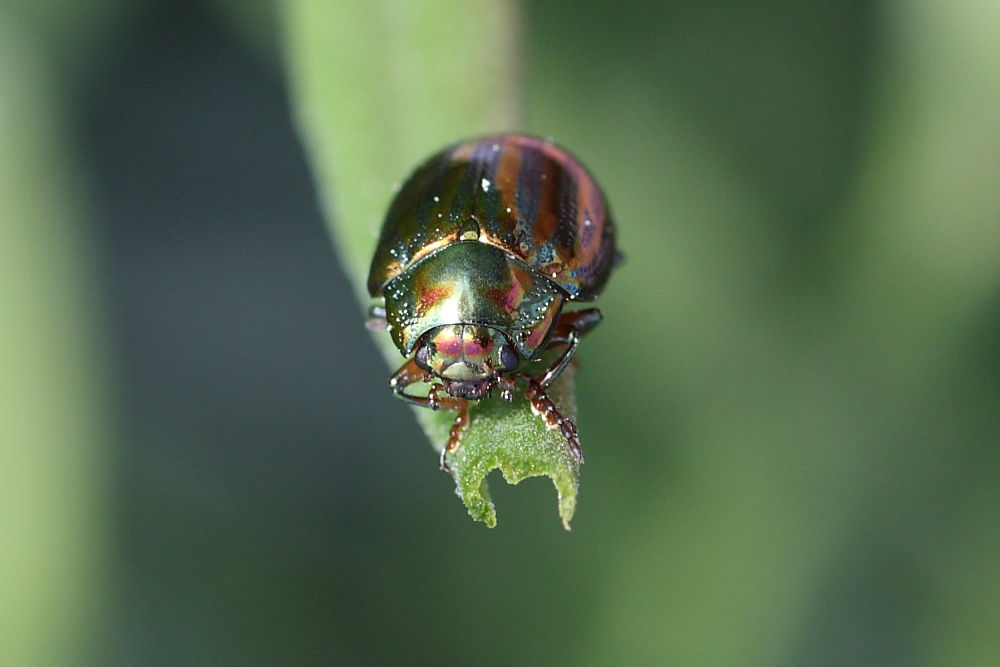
(569, 330)
(561, 363)
(454, 435)
(578, 321)
(544, 407)
(508, 385)
(409, 373)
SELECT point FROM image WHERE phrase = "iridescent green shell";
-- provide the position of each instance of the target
(473, 283)
(534, 231)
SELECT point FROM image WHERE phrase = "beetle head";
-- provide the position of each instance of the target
(467, 357)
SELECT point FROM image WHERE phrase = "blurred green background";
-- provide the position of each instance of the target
(791, 413)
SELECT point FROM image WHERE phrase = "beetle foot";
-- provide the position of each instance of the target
(507, 387)
(454, 436)
(433, 400)
(543, 406)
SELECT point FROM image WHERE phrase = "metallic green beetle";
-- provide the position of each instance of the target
(480, 250)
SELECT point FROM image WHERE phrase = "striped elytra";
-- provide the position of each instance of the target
(518, 193)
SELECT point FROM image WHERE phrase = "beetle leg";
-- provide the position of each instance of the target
(580, 321)
(507, 387)
(543, 406)
(561, 363)
(409, 373)
(433, 400)
(569, 329)
(454, 435)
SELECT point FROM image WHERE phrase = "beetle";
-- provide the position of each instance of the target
(480, 250)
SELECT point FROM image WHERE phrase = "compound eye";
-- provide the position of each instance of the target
(508, 357)
(422, 357)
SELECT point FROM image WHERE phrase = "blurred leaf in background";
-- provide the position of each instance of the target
(54, 400)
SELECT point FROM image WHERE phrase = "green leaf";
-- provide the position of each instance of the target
(55, 460)
(377, 87)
